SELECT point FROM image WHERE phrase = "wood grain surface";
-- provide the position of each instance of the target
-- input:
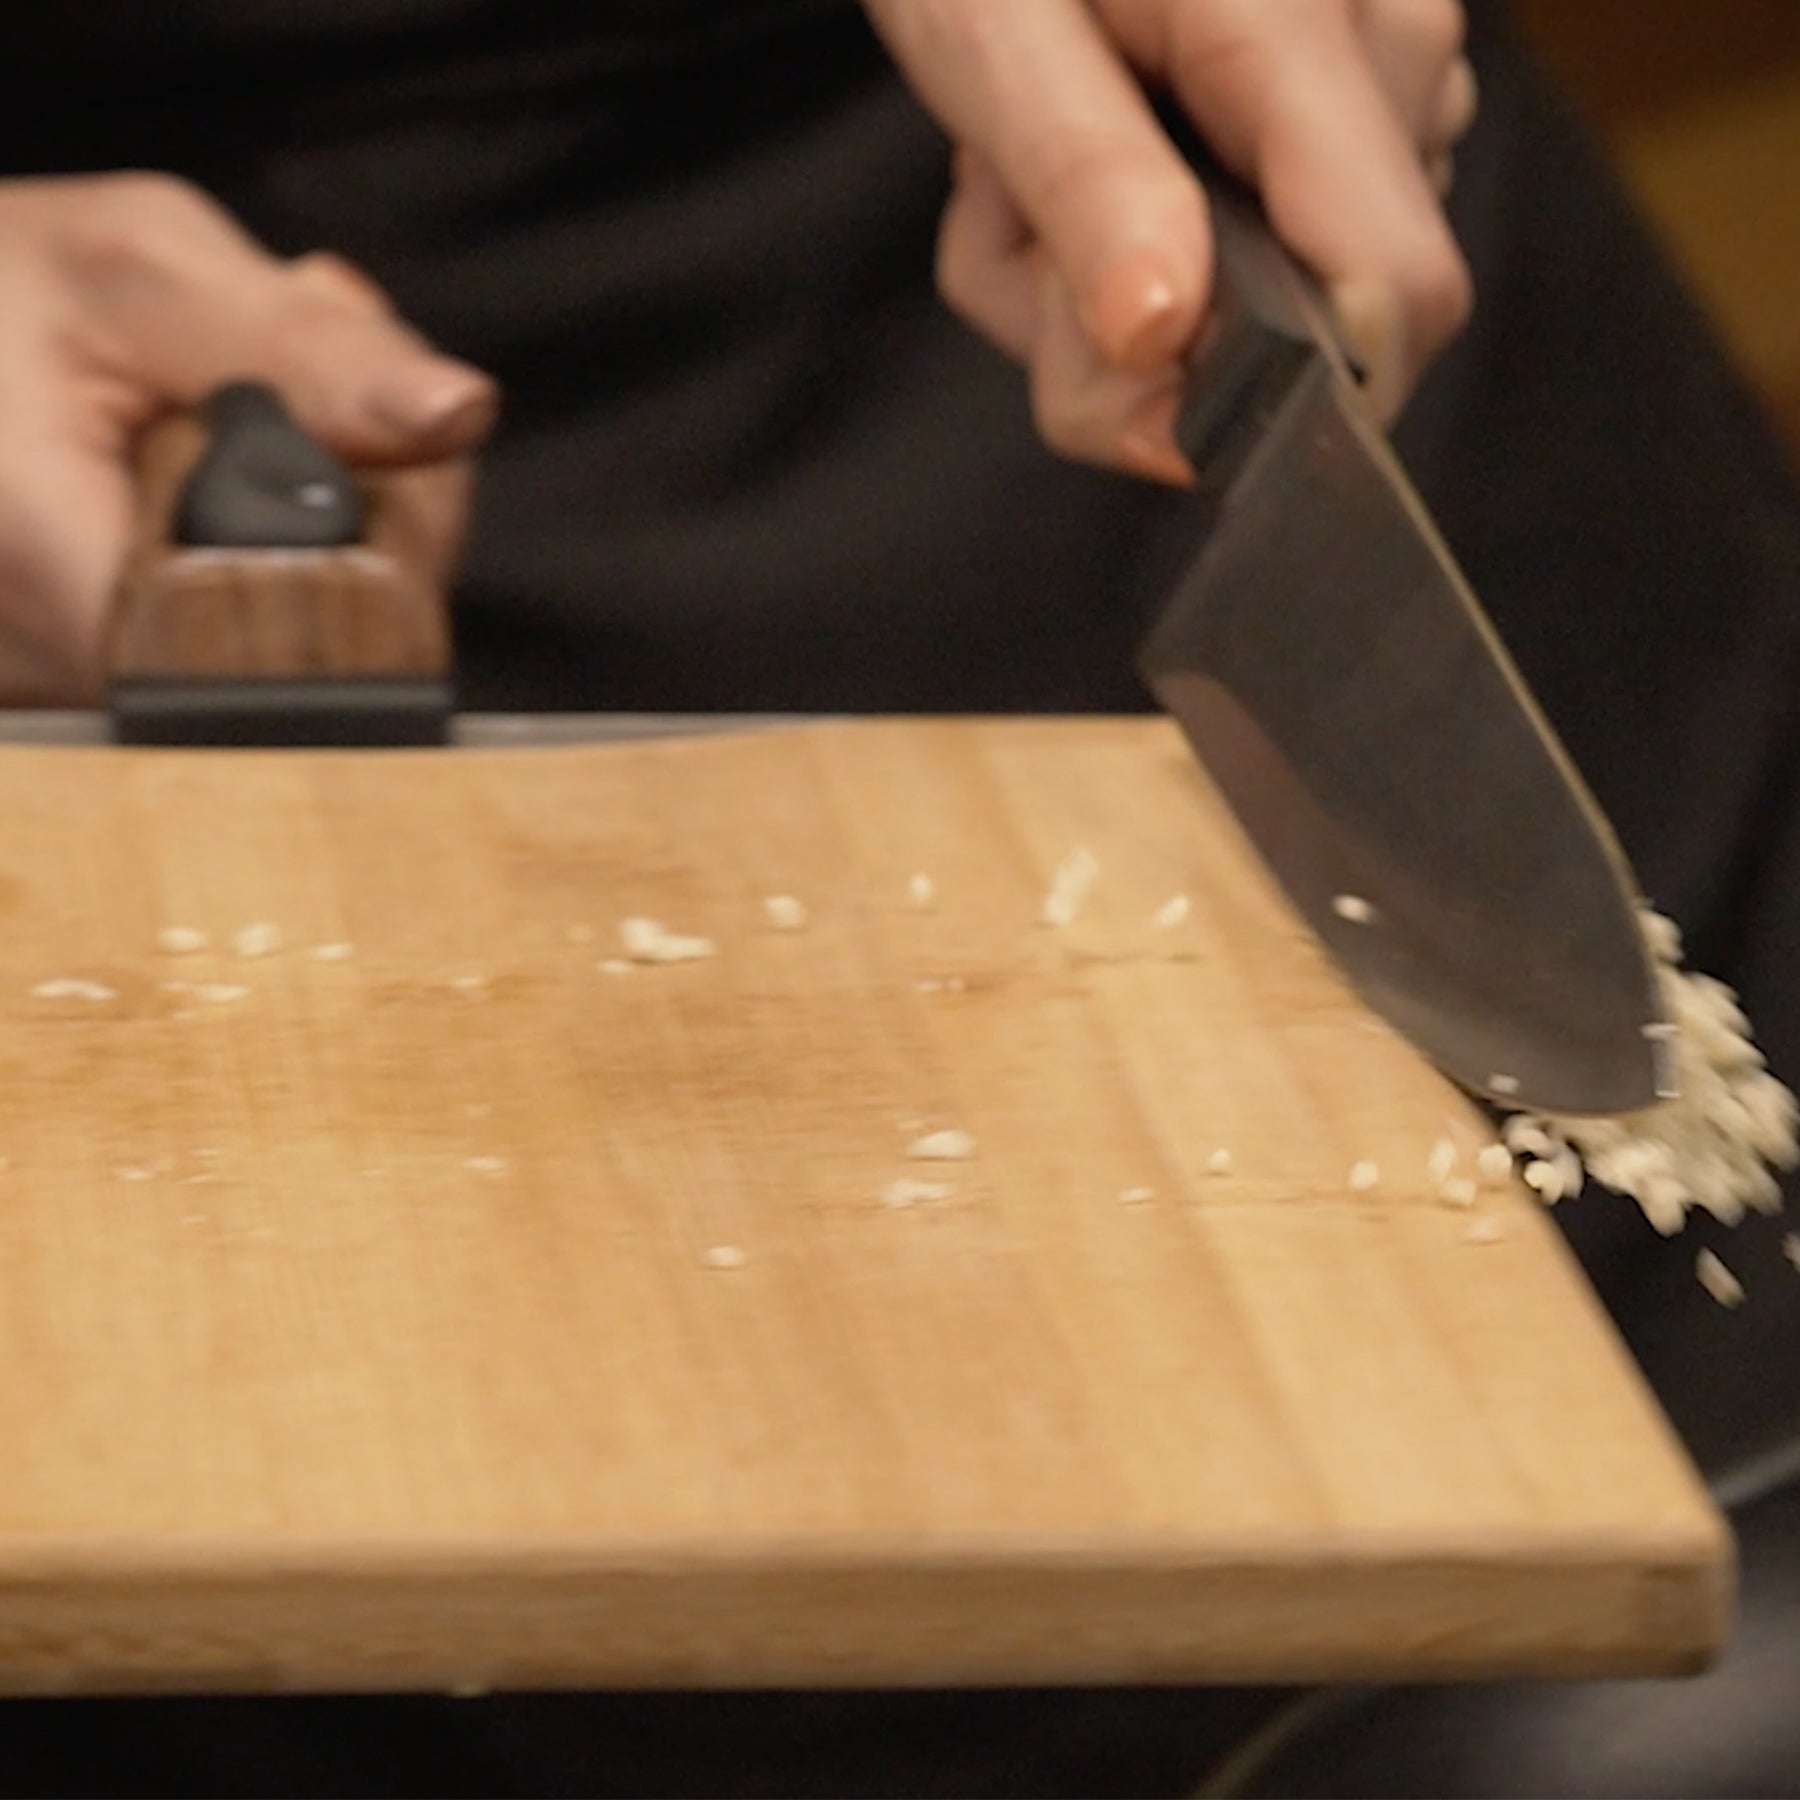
(363, 1322)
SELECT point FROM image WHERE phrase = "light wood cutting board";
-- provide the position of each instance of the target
(366, 1327)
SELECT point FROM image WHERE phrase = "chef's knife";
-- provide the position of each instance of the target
(1337, 678)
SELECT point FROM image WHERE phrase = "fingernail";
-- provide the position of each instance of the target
(1160, 462)
(443, 407)
(1147, 445)
(1132, 311)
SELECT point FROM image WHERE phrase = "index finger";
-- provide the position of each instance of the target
(1036, 87)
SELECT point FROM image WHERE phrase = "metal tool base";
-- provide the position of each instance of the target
(335, 713)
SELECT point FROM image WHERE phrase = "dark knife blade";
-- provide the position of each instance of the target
(1332, 670)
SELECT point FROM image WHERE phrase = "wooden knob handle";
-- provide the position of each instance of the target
(210, 630)
(374, 608)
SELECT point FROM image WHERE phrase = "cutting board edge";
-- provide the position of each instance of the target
(470, 1630)
(1699, 1536)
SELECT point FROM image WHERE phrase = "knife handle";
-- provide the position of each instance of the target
(274, 595)
(1268, 325)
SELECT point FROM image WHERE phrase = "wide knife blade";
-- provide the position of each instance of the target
(1330, 666)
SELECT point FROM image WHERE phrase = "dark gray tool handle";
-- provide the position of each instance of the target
(1268, 324)
(263, 484)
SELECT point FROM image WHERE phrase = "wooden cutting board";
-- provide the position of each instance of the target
(458, 1313)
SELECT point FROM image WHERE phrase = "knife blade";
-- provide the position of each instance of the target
(1334, 673)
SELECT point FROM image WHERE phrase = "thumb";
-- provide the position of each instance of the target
(1035, 87)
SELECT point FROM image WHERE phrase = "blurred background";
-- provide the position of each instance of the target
(1698, 102)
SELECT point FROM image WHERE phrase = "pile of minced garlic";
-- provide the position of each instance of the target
(1716, 1145)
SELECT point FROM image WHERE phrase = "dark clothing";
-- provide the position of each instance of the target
(749, 462)
(1729, 1735)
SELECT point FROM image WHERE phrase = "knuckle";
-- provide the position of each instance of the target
(1444, 24)
(1442, 296)
(1459, 101)
(1086, 183)
(1074, 171)
(953, 270)
(1430, 32)
(149, 199)
(1068, 166)
(333, 280)
(126, 223)
(1310, 15)
(1206, 57)
(1059, 418)
(987, 291)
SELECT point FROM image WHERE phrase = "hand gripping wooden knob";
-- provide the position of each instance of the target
(275, 596)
